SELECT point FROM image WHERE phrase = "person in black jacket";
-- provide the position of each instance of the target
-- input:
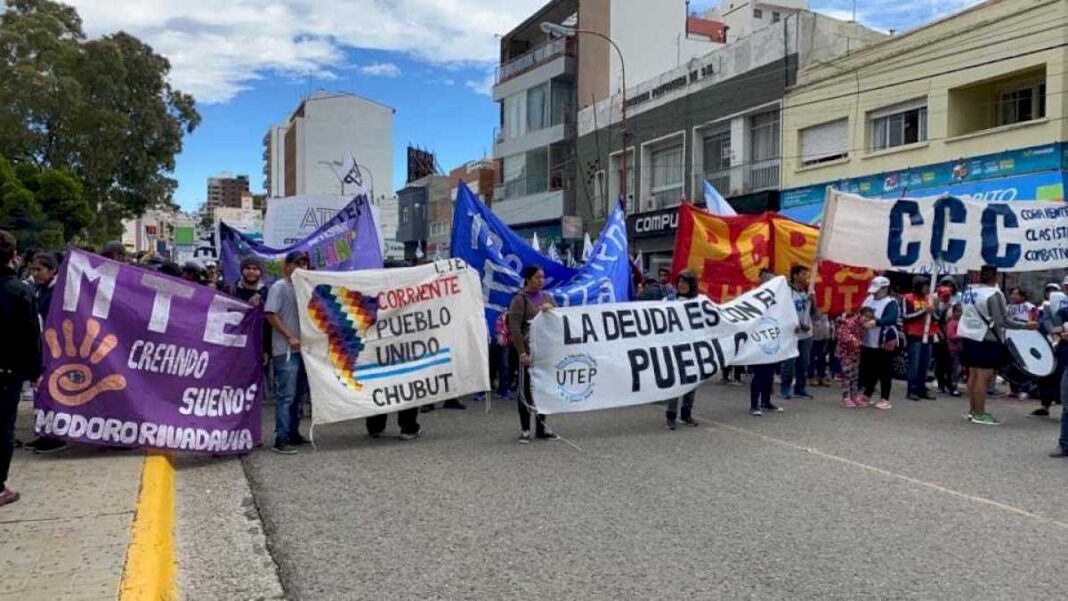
(20, 355)
(43, 271)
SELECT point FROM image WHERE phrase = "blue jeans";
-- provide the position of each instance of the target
(1064, 418)
(919, 364)
(290, 382)
(794, 370)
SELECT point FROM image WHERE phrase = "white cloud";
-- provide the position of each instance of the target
(381, 70)
(218, 48)
(484, 85)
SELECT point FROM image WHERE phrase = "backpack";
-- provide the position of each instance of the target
(504, 335)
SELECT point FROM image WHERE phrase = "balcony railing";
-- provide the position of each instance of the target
(563, 113)
(535, 58)
(528, 186)
(762, 175)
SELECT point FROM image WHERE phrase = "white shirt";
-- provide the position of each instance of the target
(976, 312)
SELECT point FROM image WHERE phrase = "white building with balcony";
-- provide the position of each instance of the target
(543, 81)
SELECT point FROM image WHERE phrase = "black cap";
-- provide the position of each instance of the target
(113, 247)
(295, 255)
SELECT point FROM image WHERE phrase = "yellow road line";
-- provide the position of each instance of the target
(150, 564)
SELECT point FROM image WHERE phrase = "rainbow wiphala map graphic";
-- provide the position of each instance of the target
(344, 316)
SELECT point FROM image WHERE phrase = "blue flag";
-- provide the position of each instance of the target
(499, 255)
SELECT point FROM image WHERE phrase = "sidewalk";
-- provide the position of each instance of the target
(67, 537)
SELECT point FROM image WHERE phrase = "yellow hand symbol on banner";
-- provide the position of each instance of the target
(72, 384)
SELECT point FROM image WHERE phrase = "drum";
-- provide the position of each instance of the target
(1031, 352)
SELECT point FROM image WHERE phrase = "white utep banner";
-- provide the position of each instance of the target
(956, 235)
(603, 356)
(382, 340)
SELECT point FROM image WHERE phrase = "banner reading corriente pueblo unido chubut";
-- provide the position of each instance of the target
(604, 356)
(381, 340)
(139, 359)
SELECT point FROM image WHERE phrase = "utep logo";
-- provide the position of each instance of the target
(344, 316)
(71, 384)
(574, 378)
(768, 335)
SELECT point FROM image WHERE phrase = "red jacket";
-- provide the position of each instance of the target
(916, 315)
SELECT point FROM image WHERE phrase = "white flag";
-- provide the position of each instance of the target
(534, 243)
(350, 175)
(419, 254)
(587, 248)
(716, 204)
(553, 253)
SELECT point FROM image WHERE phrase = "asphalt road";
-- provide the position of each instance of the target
(819, 502)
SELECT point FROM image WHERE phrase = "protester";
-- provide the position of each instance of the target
(194, 271)
(763, 380)
(664, 275)
(982, 326)
(43, 271)
(847, 350)
(407, 420)
(20, 355)
(652, 290)
(686, 287)
(1020, 383)
(114, 250)
(955, 346)
(821, 335)
(946, 298)
(290, 378)
(921, 331)
(250, 287)
(880, 343)
(1060, 332)
(524, 307)
(1049, 388)
(795, 371)
(212, 278)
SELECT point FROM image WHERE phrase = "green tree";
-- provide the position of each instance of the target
(102, 109)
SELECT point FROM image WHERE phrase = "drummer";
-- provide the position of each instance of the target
(982, 327)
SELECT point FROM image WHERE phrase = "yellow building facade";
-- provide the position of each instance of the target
(973, 104)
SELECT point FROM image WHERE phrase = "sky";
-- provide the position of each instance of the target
(250, 62)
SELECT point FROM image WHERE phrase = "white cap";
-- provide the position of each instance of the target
(878, 284)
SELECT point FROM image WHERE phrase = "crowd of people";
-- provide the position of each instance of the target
(960, 329)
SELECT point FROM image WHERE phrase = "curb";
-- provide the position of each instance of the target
(150, 562)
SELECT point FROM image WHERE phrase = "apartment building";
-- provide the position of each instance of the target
(973, 105)
(480, 176)
(543, 80)
(716, 118)
(302, 156)
(226, 190)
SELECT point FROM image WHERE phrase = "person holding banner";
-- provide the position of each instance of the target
(795, 371)
(524, 307)
(20, 355)
(291, 381)
(921, 331)
(982, 326)
(880, 344)
(685, 289)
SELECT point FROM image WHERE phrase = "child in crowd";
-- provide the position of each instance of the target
(847, 351)
(955, 345)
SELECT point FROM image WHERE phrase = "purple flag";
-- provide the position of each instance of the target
(136, 358)
(349, 241)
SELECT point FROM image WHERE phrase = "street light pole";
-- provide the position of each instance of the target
(570, 32)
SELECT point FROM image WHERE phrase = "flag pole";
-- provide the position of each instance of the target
(830, 207)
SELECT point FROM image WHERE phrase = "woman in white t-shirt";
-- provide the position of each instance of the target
(880, 335)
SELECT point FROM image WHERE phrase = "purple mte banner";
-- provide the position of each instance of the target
(135, 358)
(347, 242)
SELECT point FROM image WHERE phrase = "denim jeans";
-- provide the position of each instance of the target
(760, 386)
(794, 370)
(290, 382)
(10, 392)
(919, 364)
(1064, 418)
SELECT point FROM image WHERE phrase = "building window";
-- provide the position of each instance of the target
(824, 142)
(776, 17)
(513, 116)
(758, 13)
(716, 159)
(406, 215)
(668, 170)
(597, 195)
(899, 125)
(615, 191)
(1022, 104)
(538, 107)
(764, 131)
